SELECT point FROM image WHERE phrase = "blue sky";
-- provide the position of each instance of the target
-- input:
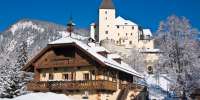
(146, 13)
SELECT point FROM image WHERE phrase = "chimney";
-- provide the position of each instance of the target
(92, 30)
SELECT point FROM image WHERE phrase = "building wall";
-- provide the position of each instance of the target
(106, 23)
(58, 75)
(127, 35)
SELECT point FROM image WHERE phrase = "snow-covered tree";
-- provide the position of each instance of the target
(177, 41)
(136, 59)
(14, 79)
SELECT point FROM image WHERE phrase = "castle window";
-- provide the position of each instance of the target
(106, 32)
(86, 76)
(132, 27)
(51, 77)
(117, 26)
(150, 70)
(131, 34)
(130, 42)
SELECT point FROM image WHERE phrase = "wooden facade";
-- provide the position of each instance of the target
(67, 67)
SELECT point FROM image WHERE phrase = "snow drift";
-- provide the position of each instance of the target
(41, 96)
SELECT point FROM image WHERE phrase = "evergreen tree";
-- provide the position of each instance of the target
(15, 79)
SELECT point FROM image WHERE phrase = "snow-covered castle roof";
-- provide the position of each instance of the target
(147, 32)
(94, 52)
(122, 21)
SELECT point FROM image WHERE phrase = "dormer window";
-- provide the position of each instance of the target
(103, 53)
(148, 36)
(119, 60)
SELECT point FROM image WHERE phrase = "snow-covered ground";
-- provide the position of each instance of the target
(42, 96)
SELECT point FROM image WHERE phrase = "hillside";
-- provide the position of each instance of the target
(36, 33)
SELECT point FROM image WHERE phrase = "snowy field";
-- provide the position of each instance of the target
(41, 96)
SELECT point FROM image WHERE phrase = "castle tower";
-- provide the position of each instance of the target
(106, 20)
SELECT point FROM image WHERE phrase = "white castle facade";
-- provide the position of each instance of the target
(125, 33)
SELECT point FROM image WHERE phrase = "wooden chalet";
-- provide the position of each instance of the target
(83, 72)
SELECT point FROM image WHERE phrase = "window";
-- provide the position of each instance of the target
(117, 26)
(106, 38)
(126, 34)
(106, 18)
(130, 42)
(150, 70)
(86, 76)
(51, 76)
(132, 27)
(107, 25)
(131, 34)
(106, 32)
(148, 36)
(43, 74)
(106, 12)
(66, 76)
(123, 40)
(118, 34)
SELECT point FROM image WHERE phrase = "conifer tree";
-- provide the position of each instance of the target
(15, 80)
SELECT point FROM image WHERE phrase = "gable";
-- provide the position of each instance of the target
(61, 56)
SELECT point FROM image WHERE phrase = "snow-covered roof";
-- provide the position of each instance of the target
(111, 56)
(122, 21)
(150, 50)
(93, 51)
(147, 32)
(92, 24)
(99, 49)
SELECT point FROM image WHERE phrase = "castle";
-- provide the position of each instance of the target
(124, 33)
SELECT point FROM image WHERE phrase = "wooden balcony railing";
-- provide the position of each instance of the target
(72, 85)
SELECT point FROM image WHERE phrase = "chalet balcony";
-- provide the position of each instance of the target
(72, 85)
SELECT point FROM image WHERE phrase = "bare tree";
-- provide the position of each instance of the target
(177, 41)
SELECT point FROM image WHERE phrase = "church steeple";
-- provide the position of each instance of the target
(107, 4)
